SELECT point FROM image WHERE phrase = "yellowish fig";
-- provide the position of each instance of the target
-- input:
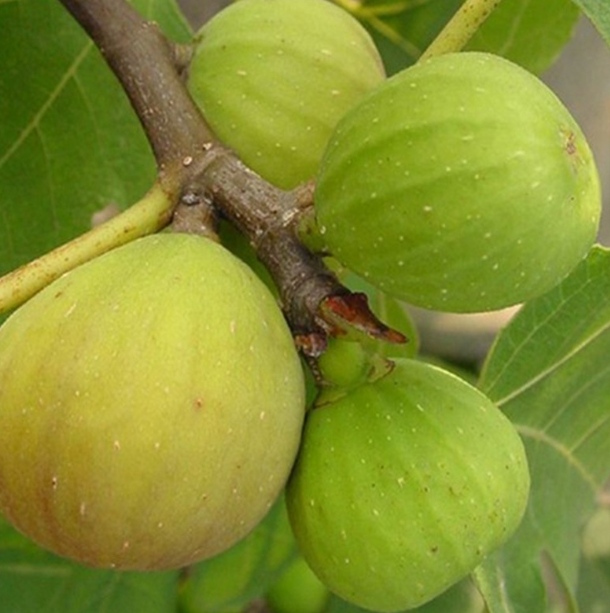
(151, 404)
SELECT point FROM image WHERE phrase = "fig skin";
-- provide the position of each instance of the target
(151, 405)
(403, 485)
(273, 77)
(460, 184)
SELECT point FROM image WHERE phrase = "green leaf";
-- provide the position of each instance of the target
(70, 143)
(229, 581)
(549, 372)
(35, 581)
(402, 29)
(598, 11)
(528, 32)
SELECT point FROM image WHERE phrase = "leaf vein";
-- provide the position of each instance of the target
(540, 436)
(552, 367)
(39, 115)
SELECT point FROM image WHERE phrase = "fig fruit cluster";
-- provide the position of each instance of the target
(273, 77)
(151, 405)
(460, 184)
(152, 401)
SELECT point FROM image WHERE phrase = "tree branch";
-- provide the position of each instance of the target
(202, 171)
(145, 63)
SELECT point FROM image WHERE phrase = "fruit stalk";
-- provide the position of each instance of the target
(148, 215)
(461, 27)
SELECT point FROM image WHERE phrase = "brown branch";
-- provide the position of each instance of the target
(266, 215)
(206, 174)
(146, 65)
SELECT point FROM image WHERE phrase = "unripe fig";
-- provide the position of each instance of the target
(273, 77)
(403, 485)
(298, 590)
(229, 582)
(460, 184)
(151, 403)
(344, 364)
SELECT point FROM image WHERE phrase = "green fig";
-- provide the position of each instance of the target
(151, 405)
(460, 184)
(273, 77)
(403, 485)
(298, 590)
(228, 582)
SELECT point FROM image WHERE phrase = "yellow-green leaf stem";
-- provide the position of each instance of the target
(146, 216)
(462, 26)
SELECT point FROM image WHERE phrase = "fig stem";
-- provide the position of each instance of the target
(460, 28)
(146, 216)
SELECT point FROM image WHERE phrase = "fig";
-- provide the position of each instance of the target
(151, 405)
(229, 582)
(298, 590)
(403, 485)
(273, 77)
(459, 184)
